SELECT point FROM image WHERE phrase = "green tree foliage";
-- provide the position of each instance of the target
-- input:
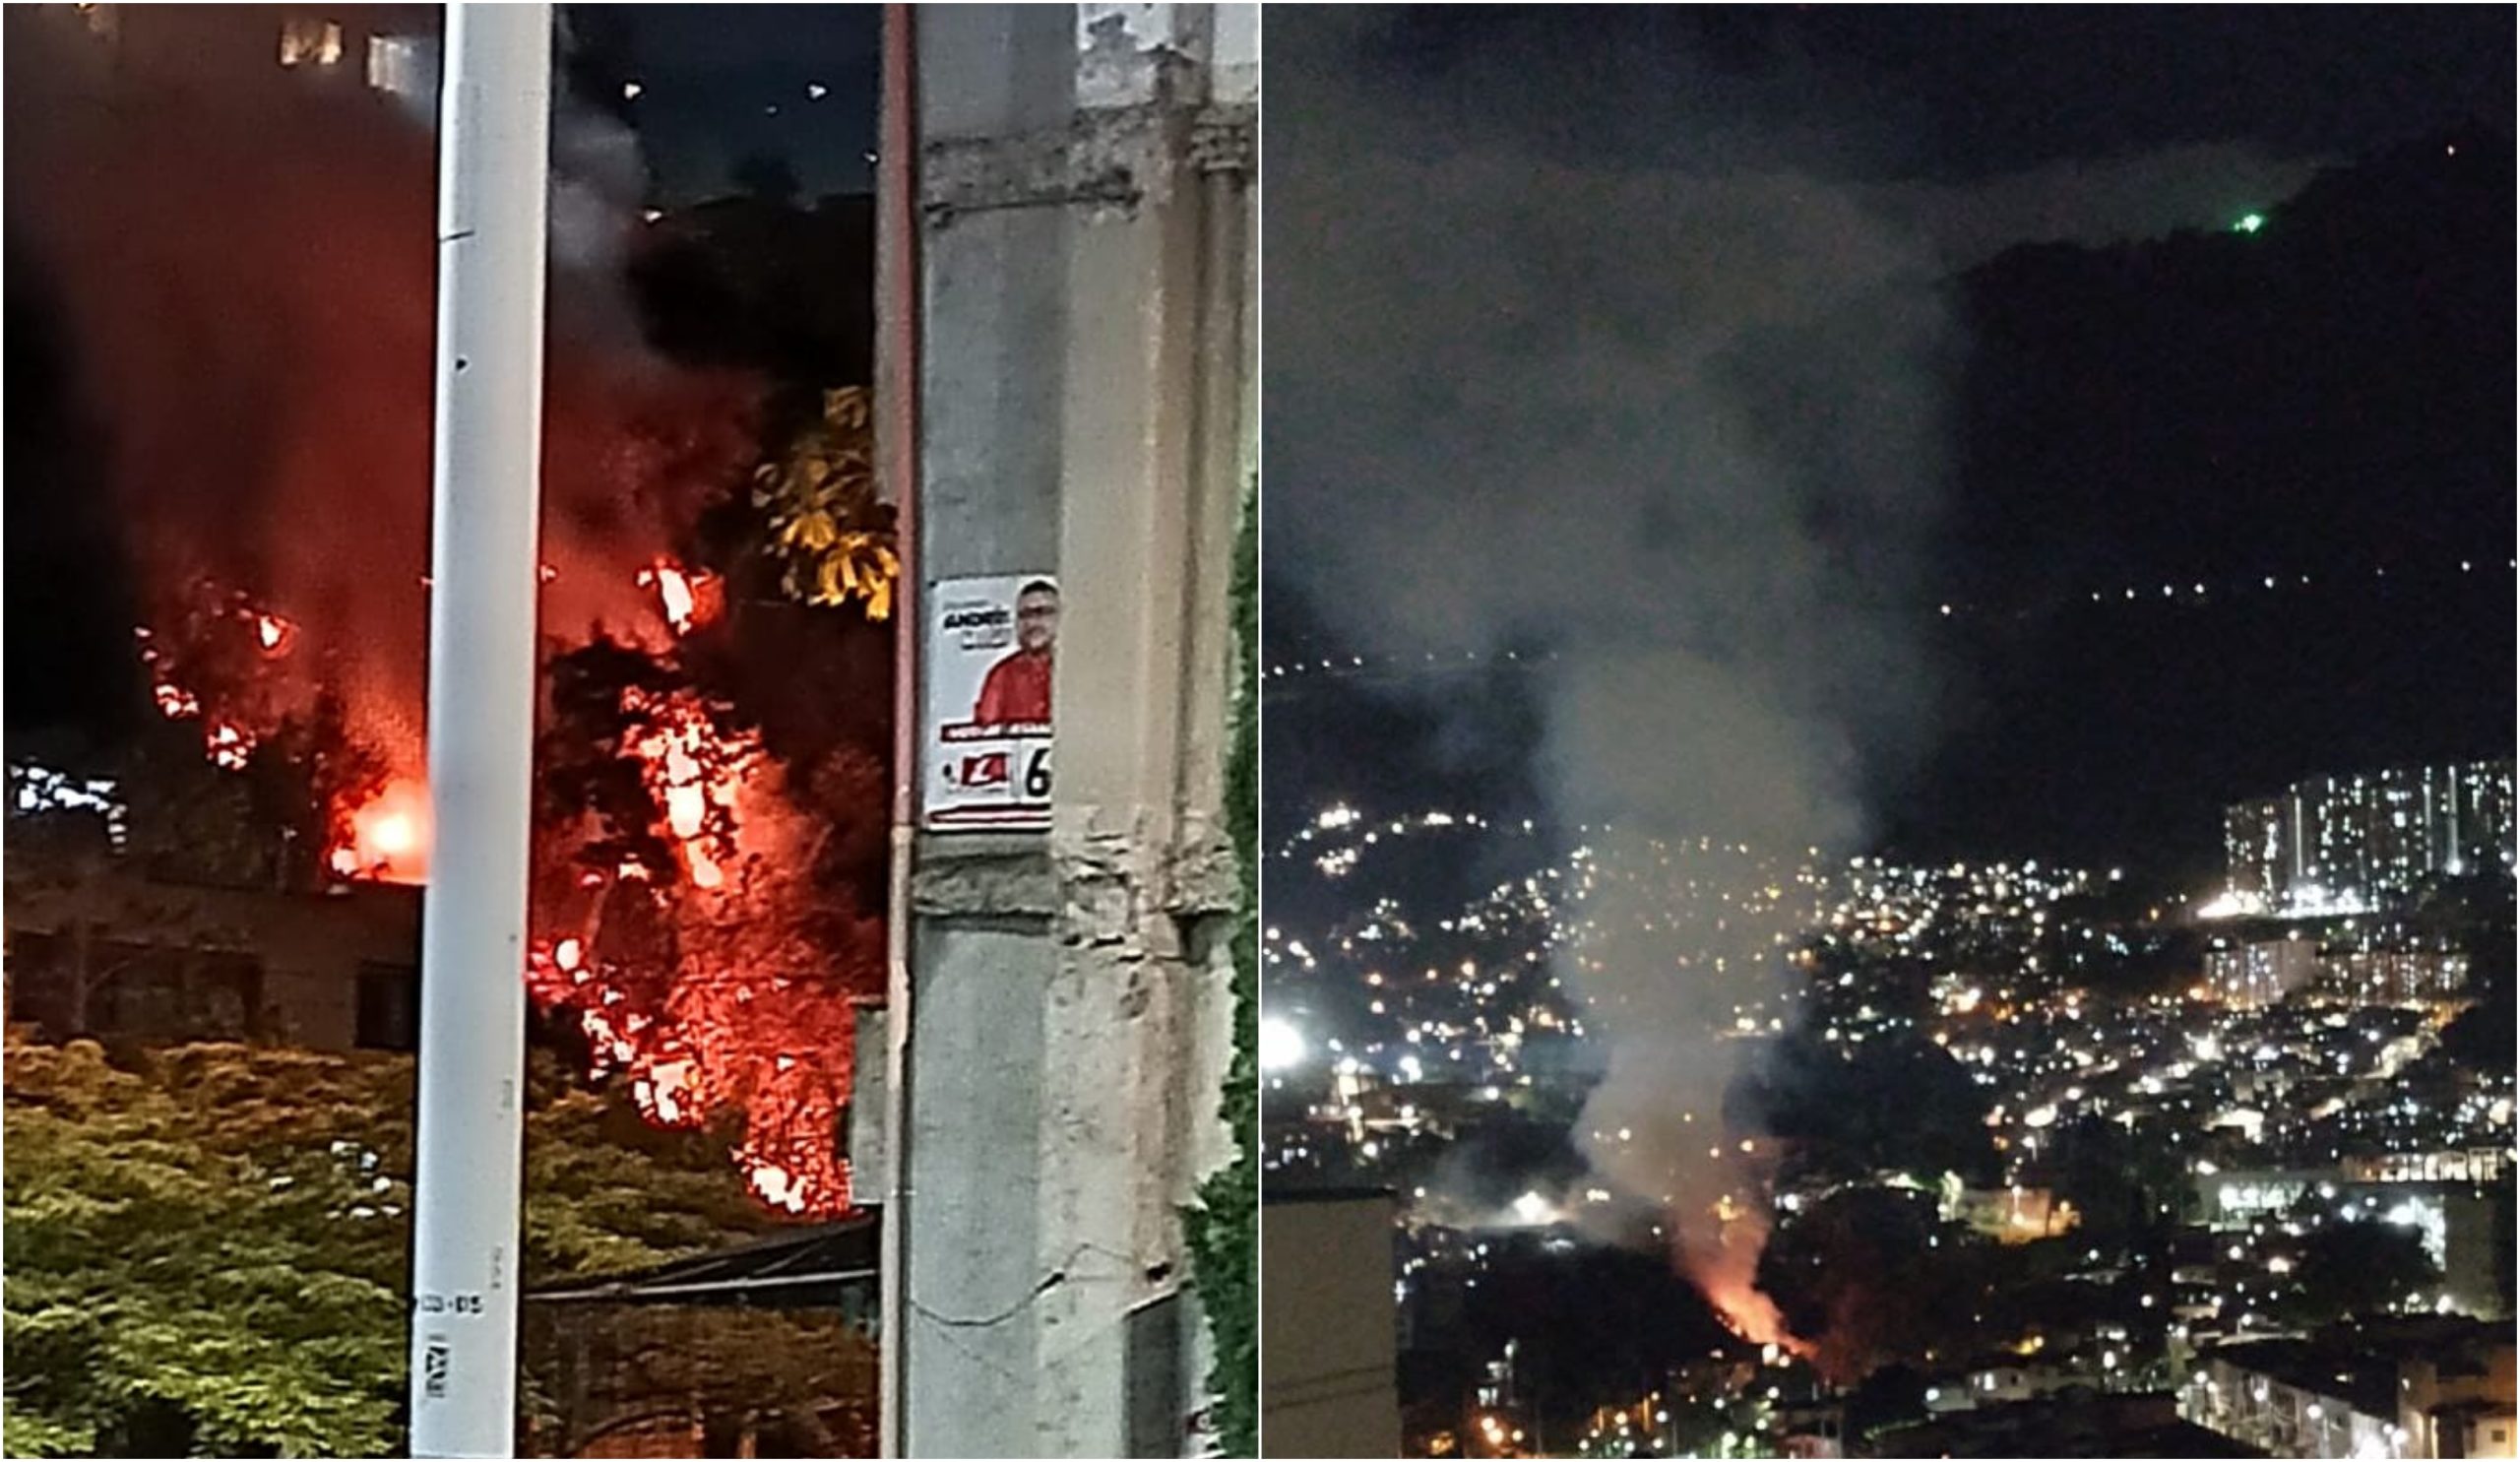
(209, 1251)
(835, 536)
(1225, 1225)
(2356, 1270)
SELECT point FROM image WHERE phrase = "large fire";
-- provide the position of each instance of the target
(262, 392)
(711, 977)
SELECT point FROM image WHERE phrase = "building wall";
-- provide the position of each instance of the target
(1329, 1384)
(1084, 397)
(2261, 972)
(166, 961)
(2397, 977)
(2437, 1394)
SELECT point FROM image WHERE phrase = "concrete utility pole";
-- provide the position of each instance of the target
(493, 169)
(1085, 338)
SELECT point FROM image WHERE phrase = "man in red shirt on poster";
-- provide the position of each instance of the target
(1017, 690)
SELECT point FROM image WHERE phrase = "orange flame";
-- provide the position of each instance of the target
(389, 837)
(1752, 1316)
(733, 1009)
(227, 745)
(1719, 1254)
(687, 1025)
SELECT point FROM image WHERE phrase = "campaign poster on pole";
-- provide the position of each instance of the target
(987, 737)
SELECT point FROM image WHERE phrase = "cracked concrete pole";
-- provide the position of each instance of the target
(1087, 413)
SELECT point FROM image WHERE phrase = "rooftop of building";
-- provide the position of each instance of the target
(2143, 1424)
(2360, 1364)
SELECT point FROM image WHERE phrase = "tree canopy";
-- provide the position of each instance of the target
(2361, 1270)
(209, 1244)
(825, 520)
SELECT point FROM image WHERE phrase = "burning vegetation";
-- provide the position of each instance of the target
(696, 915)
(710, 784)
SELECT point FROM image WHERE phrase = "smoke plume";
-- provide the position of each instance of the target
(1667, 402)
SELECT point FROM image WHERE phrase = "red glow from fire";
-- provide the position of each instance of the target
(1718, 1247)
(1751, 1316)
(720, 1001)
(696, 981)
(228, 745)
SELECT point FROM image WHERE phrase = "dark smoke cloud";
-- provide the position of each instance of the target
(244, 258)
(1678, 419)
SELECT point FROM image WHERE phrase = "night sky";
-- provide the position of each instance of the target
(2148, 396)
(720, 84)
(1967, 92)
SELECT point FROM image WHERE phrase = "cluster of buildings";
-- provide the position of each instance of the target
(2274, 1074)
(2351, 844)
(2244, 972)
(2421, 1388)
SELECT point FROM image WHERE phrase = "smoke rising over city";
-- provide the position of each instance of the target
(1678, 424)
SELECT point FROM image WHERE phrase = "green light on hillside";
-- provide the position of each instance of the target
(2250, 223)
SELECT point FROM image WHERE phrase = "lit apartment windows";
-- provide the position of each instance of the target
(310, 42)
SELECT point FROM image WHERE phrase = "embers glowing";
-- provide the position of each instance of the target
(695, 772)
(686, 598)
(669, 1095)
(213, 619)
(775, 1187)
(228, 747)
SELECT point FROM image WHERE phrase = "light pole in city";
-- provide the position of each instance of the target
(494, 123)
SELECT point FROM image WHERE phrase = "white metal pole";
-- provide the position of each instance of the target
(494, 133)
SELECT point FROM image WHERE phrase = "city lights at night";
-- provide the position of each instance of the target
(1890, 815)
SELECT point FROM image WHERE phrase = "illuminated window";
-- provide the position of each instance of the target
(310, 42)
(400, 65)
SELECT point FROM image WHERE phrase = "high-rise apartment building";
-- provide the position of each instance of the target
(2337, 844)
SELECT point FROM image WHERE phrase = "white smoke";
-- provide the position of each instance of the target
(1671, 410)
